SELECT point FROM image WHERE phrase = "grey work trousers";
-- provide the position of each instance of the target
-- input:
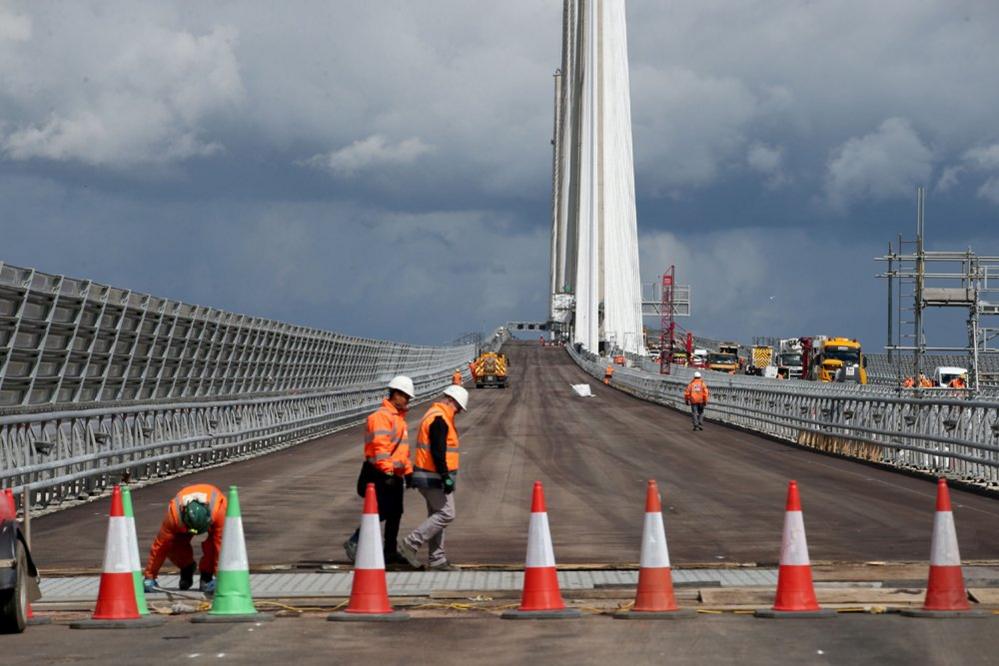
(697, 414)
(440, 513)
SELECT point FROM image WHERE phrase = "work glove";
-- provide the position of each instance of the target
(448, 484)
(149, 585)
(409, 481)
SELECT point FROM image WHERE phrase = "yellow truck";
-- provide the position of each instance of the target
(491, 370)
(726, 359)
(839, 360)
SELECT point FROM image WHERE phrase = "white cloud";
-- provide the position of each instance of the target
(14, 27)
(125, 93)
(769, 161)
(372, 152)
(884, 164)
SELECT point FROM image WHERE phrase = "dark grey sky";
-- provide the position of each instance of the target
(382, 168)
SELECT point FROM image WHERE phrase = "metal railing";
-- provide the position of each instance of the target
(98, 383)
(942, 435)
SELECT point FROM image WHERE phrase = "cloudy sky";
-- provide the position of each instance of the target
(383, 168)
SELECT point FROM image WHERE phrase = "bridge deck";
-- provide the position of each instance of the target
(724, 488)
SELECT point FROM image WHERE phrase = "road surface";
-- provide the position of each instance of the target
(724, 489)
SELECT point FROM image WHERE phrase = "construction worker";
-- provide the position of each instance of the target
(924, 381)
(197, 509)
(909, 382)
(386, 464)
(471, 369)
(958, 382)
(696, 395)
(608, 374)
(435, 471)
(456, 378)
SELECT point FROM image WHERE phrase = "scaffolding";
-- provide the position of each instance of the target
(938, 279)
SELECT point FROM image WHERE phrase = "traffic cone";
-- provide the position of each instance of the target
(133, 539)
(541, 598)
(795, 591)
(654, 598)
(232, 601)
(369, 600)
(945, 593)
(116, 606)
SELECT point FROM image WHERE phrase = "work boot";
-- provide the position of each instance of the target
(350, 547)
(444, 566)
(207, 583)
(409, 554)
(187, 577)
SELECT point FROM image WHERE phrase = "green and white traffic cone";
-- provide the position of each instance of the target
(232, 601)
(133, 547)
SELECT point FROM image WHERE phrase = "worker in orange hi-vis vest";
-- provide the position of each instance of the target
(608, 374)
(696, 395)
(196, 509)
(456, 378)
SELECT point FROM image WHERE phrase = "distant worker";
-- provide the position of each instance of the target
(608, 373)
(386, 464)
(435, 471)
(958, 382)
(456, 378)
(909, 382)
(696, 395)
(196, 509)
(924, 381)
(471, 370)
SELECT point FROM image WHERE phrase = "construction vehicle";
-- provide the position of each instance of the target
(18, 574)
(789, 358)
(491, 370)
(837, 360)
(760, 358)
(699, 358)
(726, 359)
(944, 375)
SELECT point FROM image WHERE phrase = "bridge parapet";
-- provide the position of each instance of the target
(100, 383)
(942, 435)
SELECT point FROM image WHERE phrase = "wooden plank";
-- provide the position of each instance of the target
(840, 595)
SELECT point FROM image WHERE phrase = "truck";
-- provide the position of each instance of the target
(943, 375)
(838, 359)
(788, 360)
(18, 574)
(726, 359)
(491, 370)
(760, 358)
(699, 359)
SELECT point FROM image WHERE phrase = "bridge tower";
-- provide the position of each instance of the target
(596, 284)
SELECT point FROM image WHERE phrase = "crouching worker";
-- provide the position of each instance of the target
(195, 510)
(435, 471)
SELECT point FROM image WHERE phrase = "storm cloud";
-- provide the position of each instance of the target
(384, 168)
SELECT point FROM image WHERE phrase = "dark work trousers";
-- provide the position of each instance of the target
(390, 495)
(697, 414)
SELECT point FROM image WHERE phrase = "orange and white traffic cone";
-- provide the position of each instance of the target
(795, 591)
(654, 598)
(369, 601)
(541, 598)
(116, 605)
(945, 593)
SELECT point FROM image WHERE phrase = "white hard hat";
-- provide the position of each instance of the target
(697, 375)
(404, 384)
(459, 394)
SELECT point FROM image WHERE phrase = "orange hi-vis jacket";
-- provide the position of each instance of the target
(386, 431)
(456, 379)
(173, 526)
(424, 466)
(696, 392)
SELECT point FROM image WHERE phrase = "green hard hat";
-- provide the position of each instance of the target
(197, 517)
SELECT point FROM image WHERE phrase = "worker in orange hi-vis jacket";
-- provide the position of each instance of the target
(696, 395)
(196, 509)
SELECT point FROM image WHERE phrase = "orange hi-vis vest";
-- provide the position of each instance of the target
(456, 379)
(424, 466)
(386, 430)
(696, 393)
(173, 525)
